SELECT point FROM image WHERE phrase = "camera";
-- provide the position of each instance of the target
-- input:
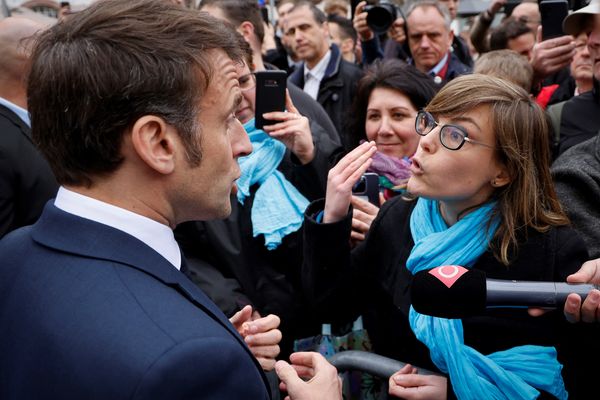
(381, 17)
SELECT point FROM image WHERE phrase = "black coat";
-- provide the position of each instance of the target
(336, 92)
(580, 119)
(373, 281)
(26, 180)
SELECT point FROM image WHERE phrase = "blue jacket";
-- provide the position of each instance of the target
(90, 312)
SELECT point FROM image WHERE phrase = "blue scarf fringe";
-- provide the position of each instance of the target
(510, 374)
(278, 207)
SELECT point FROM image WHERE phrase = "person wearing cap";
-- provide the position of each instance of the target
(580, 119)
(576, 172)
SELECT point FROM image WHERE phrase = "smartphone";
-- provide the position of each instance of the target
(553, 14)
(270, 95)
(367, 188)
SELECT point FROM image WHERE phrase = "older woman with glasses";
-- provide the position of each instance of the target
(482, 197)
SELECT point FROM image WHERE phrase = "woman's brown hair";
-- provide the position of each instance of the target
(521, 139)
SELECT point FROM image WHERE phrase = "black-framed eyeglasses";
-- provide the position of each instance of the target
(247, 81)
(452, 137)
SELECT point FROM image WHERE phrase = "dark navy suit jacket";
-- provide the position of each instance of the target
(90, 312)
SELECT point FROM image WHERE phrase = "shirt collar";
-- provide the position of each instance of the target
(157, 236)
(436, 70)
(21, 112)
(318, 70)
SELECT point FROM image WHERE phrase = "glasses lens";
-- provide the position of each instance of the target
(247, 82)
(452, 137)
(422, 124)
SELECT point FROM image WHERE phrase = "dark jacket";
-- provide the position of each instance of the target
(90, 312)
(576, 176)
(336, 92)
(455, 69)
(580, 119)
(235, 269)
(26, 180)
(372, 50)
(374, 281)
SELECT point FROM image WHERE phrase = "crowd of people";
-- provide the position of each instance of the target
(156, 244)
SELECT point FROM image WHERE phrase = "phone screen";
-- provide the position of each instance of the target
(553, 14)
(270, 95)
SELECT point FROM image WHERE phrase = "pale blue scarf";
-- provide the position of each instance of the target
(510, 374)
(278, 206)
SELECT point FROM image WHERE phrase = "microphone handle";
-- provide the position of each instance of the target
(502, 293)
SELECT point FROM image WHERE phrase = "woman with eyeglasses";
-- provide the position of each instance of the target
(482, 198)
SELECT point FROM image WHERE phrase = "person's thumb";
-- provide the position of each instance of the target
(240, 317)
(286, 373)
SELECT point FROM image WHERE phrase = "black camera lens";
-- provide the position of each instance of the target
(380, 18)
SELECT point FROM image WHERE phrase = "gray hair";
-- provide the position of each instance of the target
(441, 8)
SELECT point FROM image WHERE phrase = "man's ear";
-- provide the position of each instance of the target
(154, 142)
(247, 30)
(451, 38)
(325, 27)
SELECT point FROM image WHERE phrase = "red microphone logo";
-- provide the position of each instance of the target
(448, 274)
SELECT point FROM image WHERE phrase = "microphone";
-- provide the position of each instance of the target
(452, 291)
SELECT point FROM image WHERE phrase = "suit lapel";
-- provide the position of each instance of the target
(99, 241)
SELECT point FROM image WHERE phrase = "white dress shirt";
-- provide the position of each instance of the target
(313, 77)
(154, 234)
(20, 111)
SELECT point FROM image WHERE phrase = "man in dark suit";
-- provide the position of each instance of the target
(132, 103)
(26, 181)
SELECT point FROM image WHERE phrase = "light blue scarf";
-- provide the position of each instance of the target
(510, 374)
(278, 206)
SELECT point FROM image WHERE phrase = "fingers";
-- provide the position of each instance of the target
(265, 352)
(588, 273)
(286, 373)
(342, 178)
(354, 160)
(289, 104)
(590, 309)
(272, 337)
(238, 319)
(364, 206)
(267, 364)
(264, 324)
(572, 308)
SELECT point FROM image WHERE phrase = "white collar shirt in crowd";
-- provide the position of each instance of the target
(154, 234)
(436, 70)
(21, 112)
(313, 77)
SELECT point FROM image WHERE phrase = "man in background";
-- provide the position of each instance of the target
(26, 181)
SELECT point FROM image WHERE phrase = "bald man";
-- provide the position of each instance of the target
(26, 181)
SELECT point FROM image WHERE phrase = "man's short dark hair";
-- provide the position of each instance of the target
(95, 74)
(318, 15)
(346, 28)
(238, 11)
(509, 29)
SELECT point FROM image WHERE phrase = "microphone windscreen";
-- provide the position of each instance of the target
(449, 291)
